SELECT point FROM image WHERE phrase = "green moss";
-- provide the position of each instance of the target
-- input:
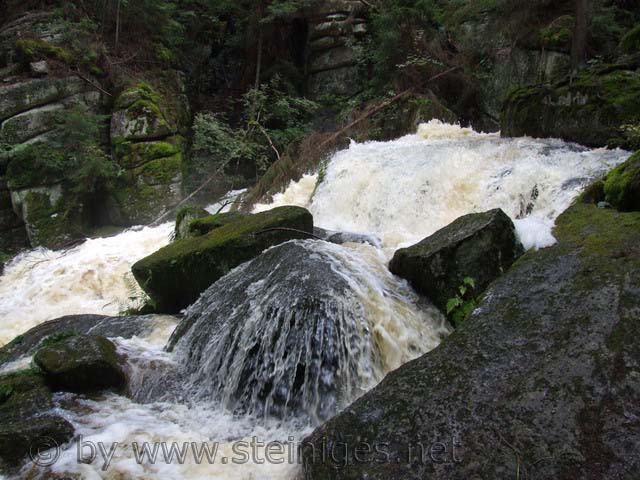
(162, 171)
(175, 275)
(202, 226)
(132, 155)
(34, 165)
(57, 337)
(592, 109)
(140, 91)
(31, 49)
(622, 187)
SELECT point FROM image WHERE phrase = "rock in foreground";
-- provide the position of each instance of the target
(81, 363)
(176, 275)
(27, 420)
(541, 381)
(478, 245)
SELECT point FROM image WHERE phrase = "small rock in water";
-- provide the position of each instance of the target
(81, 363)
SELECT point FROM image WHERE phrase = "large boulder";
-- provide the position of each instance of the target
(541, 381)
(591, 109)
(289, 334)
(147, 132)
(480, 246)
(176, 275)
(622, 186)
(81, 363)
(27, 420)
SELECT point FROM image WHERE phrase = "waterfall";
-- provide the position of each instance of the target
(405, 190)
(301, 330)
(285, 341)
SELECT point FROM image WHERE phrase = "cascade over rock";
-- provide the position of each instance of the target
(542, 378)
(479, 245)
(298, 332)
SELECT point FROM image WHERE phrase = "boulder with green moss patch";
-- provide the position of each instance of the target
(80, 363)
(542, 378)
(177, 274)
(480, 246)
(622, 186)
(27, 418)
(591, 109)
(186, 215)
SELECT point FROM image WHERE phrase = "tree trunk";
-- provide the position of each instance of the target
(580, 32)
(259, 59)
(115, 48)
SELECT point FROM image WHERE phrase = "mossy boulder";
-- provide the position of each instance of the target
(622, 186)
(542, 378)
(51, 218)
(196, 221)
(591, 109)
(27, 418)
(81, 363)
(480, 246)
(204, 225)
(20, 97)
(142, 113)
(176, 275)
(185, 216)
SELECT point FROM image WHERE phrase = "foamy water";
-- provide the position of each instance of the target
(94, 277)
(405, 190)
(401, 191)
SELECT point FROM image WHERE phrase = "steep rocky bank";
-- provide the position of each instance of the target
(541, 380)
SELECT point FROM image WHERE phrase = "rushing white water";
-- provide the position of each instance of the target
(94, 277)
(407, 189)
(401, 191)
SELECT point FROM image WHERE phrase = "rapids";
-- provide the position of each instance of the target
(247, 329)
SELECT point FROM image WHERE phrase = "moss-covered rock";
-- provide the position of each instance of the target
(185, 216)
(50, 217)
(542, 378)
(142, 113)
(480, 246)
(80, 363)
(590, 109)
(27, 418)
(202, 226)
(622, 187)
(175, 275)
(20, 97)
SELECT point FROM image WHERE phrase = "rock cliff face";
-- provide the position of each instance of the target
(147, 128)
(336, 26)
(591, 109)
(540, 382)
(145, 142)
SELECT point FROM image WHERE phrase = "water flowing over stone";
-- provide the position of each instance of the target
(301, 330)
(407, 189)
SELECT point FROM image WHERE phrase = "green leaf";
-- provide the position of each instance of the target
(462, 289)
(470, 281)
(453, 303)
